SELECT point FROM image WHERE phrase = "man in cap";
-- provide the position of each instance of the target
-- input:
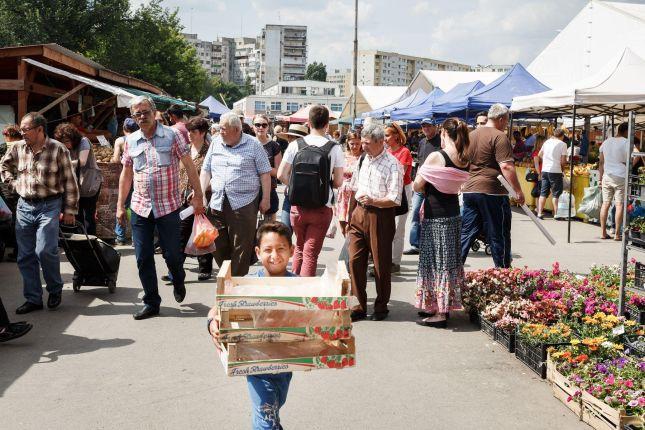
(430, 143)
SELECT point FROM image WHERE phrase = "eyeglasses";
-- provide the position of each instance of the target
(481, 123)
(141, 114)
(261, 125)
(26, 129)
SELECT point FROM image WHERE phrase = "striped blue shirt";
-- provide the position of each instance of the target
(235, 171)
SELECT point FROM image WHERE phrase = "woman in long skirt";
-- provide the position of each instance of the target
(441, 271)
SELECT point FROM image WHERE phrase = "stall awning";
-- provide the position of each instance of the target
(163, 101)
(123, 97)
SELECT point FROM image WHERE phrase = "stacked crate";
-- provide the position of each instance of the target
(108, 198)
(276, 325)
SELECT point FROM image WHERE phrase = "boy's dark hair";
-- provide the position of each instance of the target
(318, 117)
(176, 110)
(482, 113)
(273, 227)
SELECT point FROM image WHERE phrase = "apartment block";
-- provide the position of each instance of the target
(246, 60)
(381, 68)
(215, 56)
(500, 68)
(342, 78)
(282, 54)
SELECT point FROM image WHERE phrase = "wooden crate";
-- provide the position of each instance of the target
(288, 293)
(601, 416)
(302, 356)
(239, 325)
(563, 389)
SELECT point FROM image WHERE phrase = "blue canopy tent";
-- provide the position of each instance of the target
(454, 98)
(409, 114)
(215, 108)
(411, 100)
(427, 110)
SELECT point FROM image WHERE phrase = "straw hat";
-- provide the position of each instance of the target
(295, 130)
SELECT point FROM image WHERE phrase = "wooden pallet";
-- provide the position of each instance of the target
(601, 416)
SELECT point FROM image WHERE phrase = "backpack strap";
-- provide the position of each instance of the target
(301, 143)
(327, 147)
(360, 161)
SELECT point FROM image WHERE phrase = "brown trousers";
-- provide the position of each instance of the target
(371, 230)
(236, 238)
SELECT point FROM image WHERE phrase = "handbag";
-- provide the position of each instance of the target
(531, 176)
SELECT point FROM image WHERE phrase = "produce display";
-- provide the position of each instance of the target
(103, 153)
(597, 357)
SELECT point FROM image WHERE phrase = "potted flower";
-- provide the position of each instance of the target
(635, 228)
(533, 340)
(635, 308)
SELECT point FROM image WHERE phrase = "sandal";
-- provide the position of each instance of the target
(14, 331)
(605, 237)
(433, 322)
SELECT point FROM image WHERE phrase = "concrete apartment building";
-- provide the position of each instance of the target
(500, 68)
(283, 54)
(342, 78)
(286, 97)
(381, 68)
(215, 56)
(246, 61)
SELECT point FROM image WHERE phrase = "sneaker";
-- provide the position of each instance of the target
(396, 268)
(411, 251)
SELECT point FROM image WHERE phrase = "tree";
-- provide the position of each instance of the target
(316, 72)
(229, 91)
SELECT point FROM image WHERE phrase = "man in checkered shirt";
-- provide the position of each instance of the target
(236, 166)
(40, 170)
(151, 158)
(378, 184)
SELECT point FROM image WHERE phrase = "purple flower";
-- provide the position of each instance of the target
(633, 403)
(601, 368)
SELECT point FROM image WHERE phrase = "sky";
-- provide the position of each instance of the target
(465, 31)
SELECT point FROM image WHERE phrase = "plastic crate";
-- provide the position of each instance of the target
(639, 275)
(634, 314)
(487, 326)
(506, 339)
(534, 356)
(633, 348)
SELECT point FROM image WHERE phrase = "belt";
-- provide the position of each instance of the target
(41, 199)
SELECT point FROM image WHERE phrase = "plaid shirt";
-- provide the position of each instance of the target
(379, 177)
(235, 171)
(156, 170)
(43, 174)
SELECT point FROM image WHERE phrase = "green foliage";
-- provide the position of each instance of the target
(146, 43)
(316, 72)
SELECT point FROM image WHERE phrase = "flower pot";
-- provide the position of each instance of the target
(487, 326)
(635, 234)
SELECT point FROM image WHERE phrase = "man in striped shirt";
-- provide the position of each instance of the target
(378, 184)
(151, 158)
(40, 170)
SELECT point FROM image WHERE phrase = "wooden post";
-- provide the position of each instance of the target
(22, 94)
(61, 98)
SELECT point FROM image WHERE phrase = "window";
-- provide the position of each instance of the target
(336, 107)
(276, 106)
(260, 106)
(286, 90)
(292, 106)
(330, 91)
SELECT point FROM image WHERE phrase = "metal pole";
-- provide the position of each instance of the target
(623, 266)
(355, 77)
(571, 176)
(612, 126)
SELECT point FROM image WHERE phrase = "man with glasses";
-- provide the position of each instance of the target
(430, 143)
(40, 170)
(151, 158)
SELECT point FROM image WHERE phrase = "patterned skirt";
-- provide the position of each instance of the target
(441, 272)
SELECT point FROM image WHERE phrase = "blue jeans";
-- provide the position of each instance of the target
(285, 213)
(415, 227)
(492, 214)
(119, 230)
(144, 247)
(268, 394)
(37, 240)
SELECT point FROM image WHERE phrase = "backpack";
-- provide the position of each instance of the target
(400, 209)
(310, 181)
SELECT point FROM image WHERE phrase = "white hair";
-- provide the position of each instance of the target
(230, 119)
(136, 101)
(374, 132)
(497, 111)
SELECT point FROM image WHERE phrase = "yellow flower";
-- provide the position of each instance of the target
(575, 342)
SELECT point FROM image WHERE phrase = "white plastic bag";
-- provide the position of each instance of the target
(563, 206)
(591, 202)
(331, 231)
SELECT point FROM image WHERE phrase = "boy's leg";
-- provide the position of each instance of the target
(268, 393)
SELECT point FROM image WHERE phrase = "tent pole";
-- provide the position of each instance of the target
(623, 272)
(612, 125)
(355, 74)
(571, 176)
(604, 128)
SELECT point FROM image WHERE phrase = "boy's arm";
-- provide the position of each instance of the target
(213, 327)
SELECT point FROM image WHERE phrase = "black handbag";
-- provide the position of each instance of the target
(531, 176)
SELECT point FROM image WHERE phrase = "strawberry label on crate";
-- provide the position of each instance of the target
(225, 302)
(291, 365)
(284, 334)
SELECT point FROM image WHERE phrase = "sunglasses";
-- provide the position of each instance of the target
(261, 125)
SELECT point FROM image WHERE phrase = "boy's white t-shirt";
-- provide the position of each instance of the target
(552, 151)
(615, 151)
(336, 156)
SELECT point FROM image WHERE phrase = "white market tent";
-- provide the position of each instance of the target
(370, 98)
(427, 80)
(599, 31)
(618, 87)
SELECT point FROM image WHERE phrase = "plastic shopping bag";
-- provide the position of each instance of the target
(591, 202)
(202, 239)
(563, 206)
(331, 231)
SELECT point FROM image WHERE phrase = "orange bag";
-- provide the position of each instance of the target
(202, 239)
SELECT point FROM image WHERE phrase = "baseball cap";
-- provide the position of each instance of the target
(427, 121)
(130, 125)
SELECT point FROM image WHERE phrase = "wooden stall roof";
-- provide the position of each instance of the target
(66, 59)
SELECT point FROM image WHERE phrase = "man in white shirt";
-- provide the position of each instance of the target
(613, 168)
(378, 183)
(553, 155)
(310, 223)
